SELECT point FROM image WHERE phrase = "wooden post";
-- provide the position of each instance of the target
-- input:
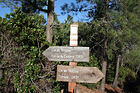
(62, 91)
(73, 42)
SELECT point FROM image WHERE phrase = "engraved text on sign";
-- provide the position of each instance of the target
(78, 74)
(55, 53)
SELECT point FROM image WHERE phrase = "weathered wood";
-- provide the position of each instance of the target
(78, 74)
(55, 53)
(74, 34)
(73, 42)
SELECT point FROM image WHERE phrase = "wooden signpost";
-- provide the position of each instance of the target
(73, 42)
(74, 54)
(78, 74)
(55, 53)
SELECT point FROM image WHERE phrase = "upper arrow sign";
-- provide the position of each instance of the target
(55, 53)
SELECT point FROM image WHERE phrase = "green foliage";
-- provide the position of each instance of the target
(132, 59)
(28, 33)
(92, 63)
(126, 71)
(27, 6)
(56, 86)
(62, 32)
(118, 24)
(119, 27)
(110, 73)
(7, 3)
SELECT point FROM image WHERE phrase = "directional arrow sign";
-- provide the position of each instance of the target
(78, 74)
(55, 53)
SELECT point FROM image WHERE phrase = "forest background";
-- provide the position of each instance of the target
(109, 27)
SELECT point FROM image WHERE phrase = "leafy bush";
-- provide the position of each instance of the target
(27, 31)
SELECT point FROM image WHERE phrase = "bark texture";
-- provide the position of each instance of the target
(104, 66)
(50, 20)
(104, 72)
(117, 71)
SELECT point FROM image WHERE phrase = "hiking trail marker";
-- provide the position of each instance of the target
(74, 54)
(78, 74)
(55, 53)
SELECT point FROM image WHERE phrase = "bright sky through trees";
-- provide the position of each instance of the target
(58, 11)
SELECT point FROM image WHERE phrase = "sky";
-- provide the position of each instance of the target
(58, 4)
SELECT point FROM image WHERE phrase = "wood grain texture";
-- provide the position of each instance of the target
(73, 34)
(79, 74)
(55, 53)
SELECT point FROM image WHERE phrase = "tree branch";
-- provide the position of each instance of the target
(39, 8)
(43, 10)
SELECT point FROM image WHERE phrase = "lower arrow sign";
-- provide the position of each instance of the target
(78, 74)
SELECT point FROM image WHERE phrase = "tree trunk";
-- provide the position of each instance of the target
(1, 71)
(104, 66)
(49, 33)
(138, 69)
(117, 71)
(50, 20)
